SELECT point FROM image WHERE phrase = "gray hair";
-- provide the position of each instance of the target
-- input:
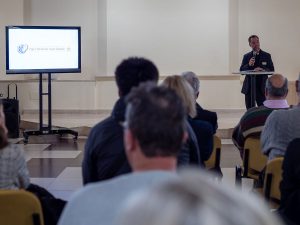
(195, 199)
(277, 91)
(193, 80)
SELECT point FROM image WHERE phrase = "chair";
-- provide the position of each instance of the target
(273, 177)
(213, 163)
(18, 207)
(254, 161)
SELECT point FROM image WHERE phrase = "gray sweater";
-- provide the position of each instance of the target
(281, 127)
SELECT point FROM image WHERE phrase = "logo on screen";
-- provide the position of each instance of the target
(22, 48)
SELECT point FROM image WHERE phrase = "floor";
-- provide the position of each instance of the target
(55, 163)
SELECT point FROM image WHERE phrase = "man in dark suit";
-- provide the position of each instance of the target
(202, 114)
(256, 60)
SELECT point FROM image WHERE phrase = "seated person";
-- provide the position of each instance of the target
(202, 114)
(154, 131)
(253, 121)
(290, 184)
(104, 154)
(281, 127)
(194, 199)
(13, 170)
(14, 175)
(202, 130)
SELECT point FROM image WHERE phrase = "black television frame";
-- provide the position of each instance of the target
(39, 71)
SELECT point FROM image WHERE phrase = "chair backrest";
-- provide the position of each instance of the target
(18, 207)
(214, 159)
(254, 160)
(273, 177)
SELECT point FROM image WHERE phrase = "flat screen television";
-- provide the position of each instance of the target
(43, 49)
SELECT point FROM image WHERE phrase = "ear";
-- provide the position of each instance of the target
(129, 141)
(185, 136)
(266, 92)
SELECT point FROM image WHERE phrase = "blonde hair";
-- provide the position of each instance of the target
(194, 199)
(184, 90)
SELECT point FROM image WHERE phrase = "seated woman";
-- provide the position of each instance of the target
(200, 132)
(14, 175)
(13, 169)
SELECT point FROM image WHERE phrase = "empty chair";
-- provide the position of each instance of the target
(18, 207)
(273, 177)
(213, 163)
(254, 161)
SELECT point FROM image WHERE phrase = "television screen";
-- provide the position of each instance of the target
(42, 49)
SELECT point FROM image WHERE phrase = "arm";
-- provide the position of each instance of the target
(238, 138)
(87, 161)
(245, 64)
(268, 131)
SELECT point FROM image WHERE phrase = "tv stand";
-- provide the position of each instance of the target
(46, 130)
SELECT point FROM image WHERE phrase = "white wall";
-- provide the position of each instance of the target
(11, 12)
(177, 35)
(207, 36)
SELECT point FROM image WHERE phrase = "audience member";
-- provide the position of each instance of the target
(104, 155)
(202, 114)
(201, 121)
(194, 199)
(253, 121)
(154, 131)
(281, 127)
(14, 173)
(184, 91)
(290, 184)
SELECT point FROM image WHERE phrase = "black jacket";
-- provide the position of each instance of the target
(290, 184)
(263, 60)
(104, 155)
(208, 116)
(204, 134)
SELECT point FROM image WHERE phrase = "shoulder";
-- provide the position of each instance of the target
(14, 150)
(277, 117)
(248, 54)
(201, 125)
(105, 128)
(253, 111)
(265, 53)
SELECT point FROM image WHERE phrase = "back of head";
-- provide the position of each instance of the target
(133, 71)
(277, 86)
(184, 91)
(194, 199)
(193, 81)
(155, 116)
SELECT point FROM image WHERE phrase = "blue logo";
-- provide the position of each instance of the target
(22, 48)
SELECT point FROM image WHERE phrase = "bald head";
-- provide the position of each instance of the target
(276, 87)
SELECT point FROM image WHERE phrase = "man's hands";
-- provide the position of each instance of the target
(252, 61)
(257, 69)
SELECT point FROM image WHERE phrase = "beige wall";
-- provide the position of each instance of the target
(177, 35)
(206, 36)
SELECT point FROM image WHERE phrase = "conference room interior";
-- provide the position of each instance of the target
(208, 37)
